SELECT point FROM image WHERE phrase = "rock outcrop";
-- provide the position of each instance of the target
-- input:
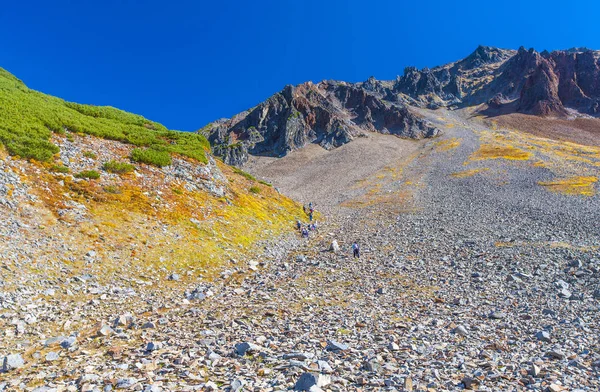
(329, 113)
(538, 83)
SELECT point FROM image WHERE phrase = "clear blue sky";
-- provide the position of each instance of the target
(186, 63)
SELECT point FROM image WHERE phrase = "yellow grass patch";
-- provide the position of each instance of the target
(447, 144)
(577, 185)
(497, 151)
(469, 173)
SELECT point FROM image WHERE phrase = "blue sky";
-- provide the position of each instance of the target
(186, 63)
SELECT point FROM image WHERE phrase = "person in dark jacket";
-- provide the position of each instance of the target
(356, 250)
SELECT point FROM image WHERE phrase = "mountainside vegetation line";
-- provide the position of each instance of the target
(28, 118)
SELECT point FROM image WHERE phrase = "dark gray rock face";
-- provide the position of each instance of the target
(12, 362)
(539, 83)
(328, 113)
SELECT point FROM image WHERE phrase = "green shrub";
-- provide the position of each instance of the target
(113, 166)
(151, 156)
(254, 189)
(59, 169)
(28, 117)
(89, 154)
(90, 174)
(265, 183)
(244, 174)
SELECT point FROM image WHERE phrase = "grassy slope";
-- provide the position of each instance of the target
(125, 208)
(28, 117)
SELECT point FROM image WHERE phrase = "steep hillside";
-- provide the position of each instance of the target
(113, 207)
(115, 172)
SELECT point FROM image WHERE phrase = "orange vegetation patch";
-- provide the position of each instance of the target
(578, 185)
(496, 151)
(138, 223)
(447, 144)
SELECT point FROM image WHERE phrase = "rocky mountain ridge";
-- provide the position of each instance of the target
(547, 83)
(331, 113)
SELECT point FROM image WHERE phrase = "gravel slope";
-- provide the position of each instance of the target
(484, 281)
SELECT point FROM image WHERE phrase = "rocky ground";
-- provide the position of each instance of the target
(473, 275)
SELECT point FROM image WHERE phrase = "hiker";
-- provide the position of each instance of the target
(356, 250)
(310, 216)
(298, 224)
(304, 232)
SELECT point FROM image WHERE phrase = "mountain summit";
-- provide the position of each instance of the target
(331, 113)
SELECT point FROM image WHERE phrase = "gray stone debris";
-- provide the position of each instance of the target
(556, 354)
(12, 362)
(458, 284)
(332, 345)
(52, 356)
(105, 330)
(460, 330)
(244, 348)
(312, 382)
(496, 315)
(148, 325)
(153, 346)
(236, 385)
(544, 336)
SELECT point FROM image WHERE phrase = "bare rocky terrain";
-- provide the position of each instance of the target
(479, 270)
(477, 221)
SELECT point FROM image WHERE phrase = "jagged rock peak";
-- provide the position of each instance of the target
(486, 55)
(546, 83)
(329, 113)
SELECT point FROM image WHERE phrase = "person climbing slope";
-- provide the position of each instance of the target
(356, 250)
(304, 232)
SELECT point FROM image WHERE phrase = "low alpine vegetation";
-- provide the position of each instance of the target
(151, 156)
(88, 174)
(28, 118)
(117, 167)
(59, 169)
(244, 174)
(90, 154)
